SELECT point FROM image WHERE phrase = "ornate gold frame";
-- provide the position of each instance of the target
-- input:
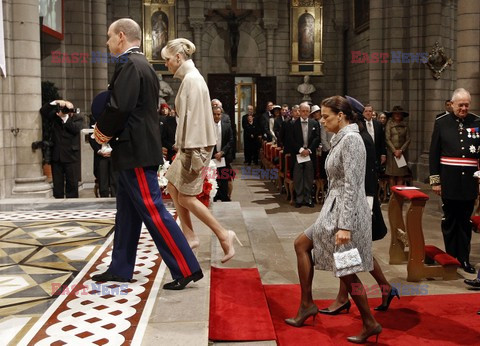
(438, 61)
(167, 8)
(297, 9)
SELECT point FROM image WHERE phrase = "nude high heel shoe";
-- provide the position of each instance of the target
(194, 244)
(231, 235)
(303, 316)
(363, 338)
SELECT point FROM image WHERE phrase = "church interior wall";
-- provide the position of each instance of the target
(332, 81)
(408, 26)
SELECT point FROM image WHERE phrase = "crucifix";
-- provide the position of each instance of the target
(234, 17)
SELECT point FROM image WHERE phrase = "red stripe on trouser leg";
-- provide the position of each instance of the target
(157, 220)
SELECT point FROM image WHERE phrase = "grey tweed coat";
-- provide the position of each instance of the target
(346, 204)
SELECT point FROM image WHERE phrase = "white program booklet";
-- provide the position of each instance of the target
(401, 162)
(220, 163)
(302, 159)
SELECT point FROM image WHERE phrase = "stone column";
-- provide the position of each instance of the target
(430, 94)
(196, 18)
(468, 49)
(99, 40)
(376, 32)
(271, 25)
(22, 95)
(196, 24)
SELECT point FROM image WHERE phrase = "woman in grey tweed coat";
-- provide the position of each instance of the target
(345, 217)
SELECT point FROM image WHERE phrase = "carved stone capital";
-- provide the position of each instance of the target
(196, 22)
(270, 23)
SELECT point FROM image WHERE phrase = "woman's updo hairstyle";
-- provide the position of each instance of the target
(340, 104)
(181, 46)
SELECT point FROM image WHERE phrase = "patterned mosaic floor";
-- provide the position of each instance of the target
(46, 296)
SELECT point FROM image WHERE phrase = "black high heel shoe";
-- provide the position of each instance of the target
(362, 338)
(345, 306)
(304, 314)
(393, 293)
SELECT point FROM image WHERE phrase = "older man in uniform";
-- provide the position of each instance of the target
(454, 153)
(130, 123)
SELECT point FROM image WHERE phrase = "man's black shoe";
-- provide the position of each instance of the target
(179, 284)
(473, 283)
(108, 277)
(298, 205)
(468, 267)
(310, 205)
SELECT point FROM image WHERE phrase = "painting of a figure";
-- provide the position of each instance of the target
(306, 37)
(159, 33)
(51, 12)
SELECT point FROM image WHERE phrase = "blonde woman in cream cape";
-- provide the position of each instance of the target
(195, 140)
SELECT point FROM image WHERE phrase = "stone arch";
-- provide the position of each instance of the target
(252, 50)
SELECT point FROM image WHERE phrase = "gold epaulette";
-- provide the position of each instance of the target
(100, 138)
(434, 180)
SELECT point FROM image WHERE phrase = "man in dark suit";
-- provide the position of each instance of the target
(375, 130)
(223, 149)
(448, 109)
(250, 134)
(168, 125)
(454, 153)
(304, 144)
(278, 123)
(66, 147)
(250, 111)
(265, 122)
(286, 134)
(130, 123)
(226, 119)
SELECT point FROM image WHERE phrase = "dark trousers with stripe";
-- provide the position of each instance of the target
(457, 228)
(139, 200)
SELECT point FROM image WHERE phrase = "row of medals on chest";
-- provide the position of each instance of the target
(472, 132)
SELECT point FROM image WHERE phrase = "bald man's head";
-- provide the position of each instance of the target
(123, 34)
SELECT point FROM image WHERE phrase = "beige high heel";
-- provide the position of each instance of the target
(194, 244)
(231, 235)
(303, 315)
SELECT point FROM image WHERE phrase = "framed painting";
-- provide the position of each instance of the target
(361, 15)
(51, 17)
(158, 29)
(306, 37)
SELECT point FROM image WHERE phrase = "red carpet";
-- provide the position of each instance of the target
(238, 307)
(412, 320)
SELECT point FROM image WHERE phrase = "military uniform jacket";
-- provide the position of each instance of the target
(454, 150)
(131, 115)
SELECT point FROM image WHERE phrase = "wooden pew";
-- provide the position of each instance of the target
(409, 233)
(288, 179)
(320, 183)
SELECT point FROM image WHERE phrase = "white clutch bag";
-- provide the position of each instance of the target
(347, 261)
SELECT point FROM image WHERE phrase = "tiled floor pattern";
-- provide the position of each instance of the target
(58, 215)
(39, 259)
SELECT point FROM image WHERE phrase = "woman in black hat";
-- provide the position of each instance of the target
(397, 138)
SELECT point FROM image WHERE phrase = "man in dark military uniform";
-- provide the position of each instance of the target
(454, 153)
(130, 123)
